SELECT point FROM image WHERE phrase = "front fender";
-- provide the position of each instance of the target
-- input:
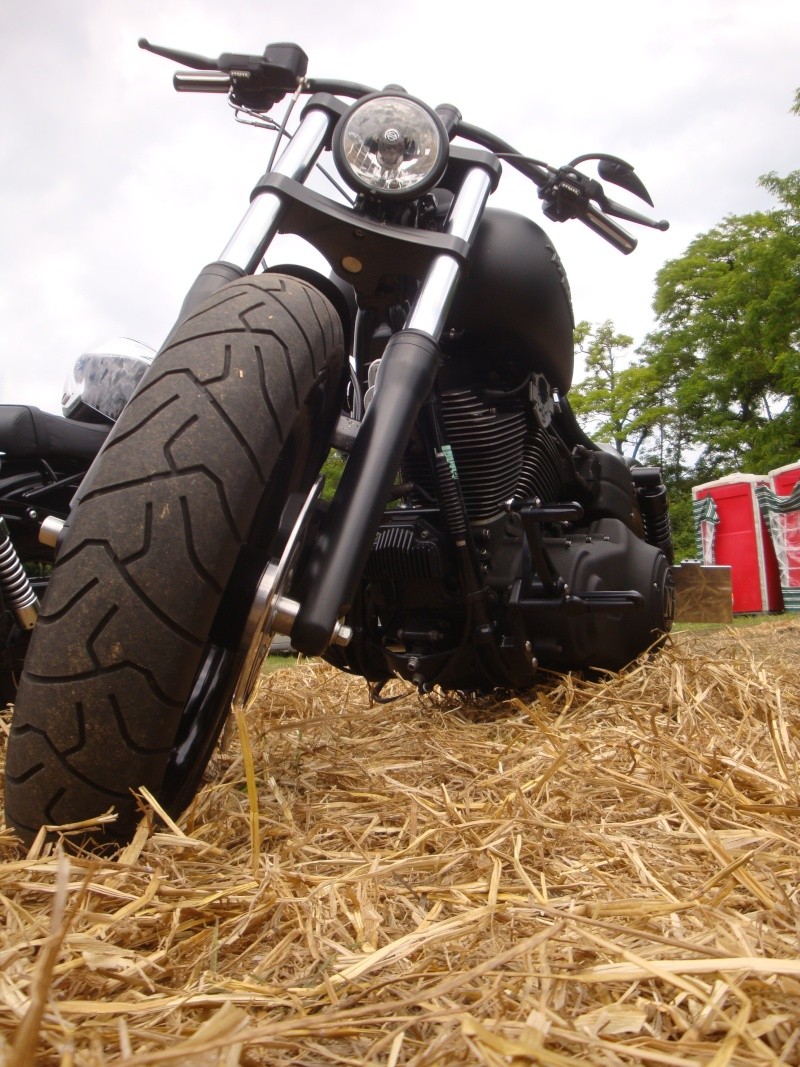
(340, 294)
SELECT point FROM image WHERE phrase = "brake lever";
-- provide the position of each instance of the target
(610, 207)
(568, 195)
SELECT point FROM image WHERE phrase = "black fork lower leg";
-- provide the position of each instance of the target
(407, 374)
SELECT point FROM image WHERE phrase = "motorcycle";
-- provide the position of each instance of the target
(476, 537)
(43, 459)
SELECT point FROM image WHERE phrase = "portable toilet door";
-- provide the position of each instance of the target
(781, 505)
(742, 541)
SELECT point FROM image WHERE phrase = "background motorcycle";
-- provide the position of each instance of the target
(43, 459)
(476, 534)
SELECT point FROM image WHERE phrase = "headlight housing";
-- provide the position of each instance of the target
(390, 146)
(102, 380)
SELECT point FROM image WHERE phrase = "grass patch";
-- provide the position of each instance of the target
(738, 621)
(280, 663)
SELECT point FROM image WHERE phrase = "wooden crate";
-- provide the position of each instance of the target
(702, 593)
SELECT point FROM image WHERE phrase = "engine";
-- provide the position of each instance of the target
(513, 468)
(503, 448)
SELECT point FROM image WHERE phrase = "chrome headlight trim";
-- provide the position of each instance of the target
(389, 145)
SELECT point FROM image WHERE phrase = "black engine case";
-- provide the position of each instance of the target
(618, 599)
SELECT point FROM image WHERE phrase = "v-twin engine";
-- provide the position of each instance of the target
(502, 450)
(566, 540)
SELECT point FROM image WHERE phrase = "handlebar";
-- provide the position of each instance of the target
(261, 81)
(540, 175)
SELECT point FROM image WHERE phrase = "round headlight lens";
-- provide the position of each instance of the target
(391, 146)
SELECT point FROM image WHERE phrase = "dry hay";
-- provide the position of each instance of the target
(601, 873)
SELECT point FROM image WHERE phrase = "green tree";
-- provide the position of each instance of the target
(624, 401)
(716, 387)
(618, 399)
(727, 346)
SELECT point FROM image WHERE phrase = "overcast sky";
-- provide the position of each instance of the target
(116, 189)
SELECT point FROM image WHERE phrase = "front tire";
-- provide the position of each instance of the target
(164, 547)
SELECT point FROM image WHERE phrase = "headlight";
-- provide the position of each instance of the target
(390, 146)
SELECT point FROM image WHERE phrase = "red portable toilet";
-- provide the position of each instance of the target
(783, 480)
(781, 506)
(736, 536)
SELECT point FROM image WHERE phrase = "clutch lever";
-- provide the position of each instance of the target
(611, 207)
(256, 82)
(188, 59)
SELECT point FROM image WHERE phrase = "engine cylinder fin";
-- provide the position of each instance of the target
(545, 469)
(403, 553)
(497, 452)
(487, 444)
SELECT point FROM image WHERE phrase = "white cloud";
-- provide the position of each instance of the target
(116, 190)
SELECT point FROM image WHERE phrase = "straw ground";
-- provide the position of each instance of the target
(592, 873)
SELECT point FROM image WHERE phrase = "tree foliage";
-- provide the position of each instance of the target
(715, 388)
(618, 399)
(728, 337)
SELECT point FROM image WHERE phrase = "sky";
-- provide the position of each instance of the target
(115, 190)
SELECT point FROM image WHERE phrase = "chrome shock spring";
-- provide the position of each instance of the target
(15, 587)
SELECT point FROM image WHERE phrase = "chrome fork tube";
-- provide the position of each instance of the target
(260, 223)
(435, 296)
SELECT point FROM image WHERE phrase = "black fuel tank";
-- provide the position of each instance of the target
(515, 294)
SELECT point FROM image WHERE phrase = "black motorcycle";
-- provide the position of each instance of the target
(476, 535)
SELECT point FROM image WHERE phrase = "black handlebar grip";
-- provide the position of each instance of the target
(186, 82)
(609, 230)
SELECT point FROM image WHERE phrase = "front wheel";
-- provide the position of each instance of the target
(131, 664)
